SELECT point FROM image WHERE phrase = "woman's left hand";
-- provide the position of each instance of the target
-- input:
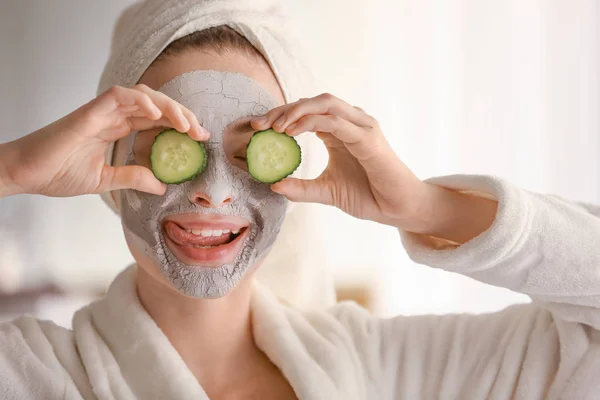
(364, 177)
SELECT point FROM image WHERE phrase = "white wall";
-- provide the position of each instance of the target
(509, 88)
(52, 54)
(503, 87)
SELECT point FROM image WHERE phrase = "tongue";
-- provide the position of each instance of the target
(183, 237)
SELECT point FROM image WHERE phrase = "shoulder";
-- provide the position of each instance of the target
(355, 319)
(27, 334)
(32, 353)
(351, 323)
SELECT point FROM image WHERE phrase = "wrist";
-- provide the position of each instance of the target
(416, 215)
(419, 213)
(8, 164)
(451, 215)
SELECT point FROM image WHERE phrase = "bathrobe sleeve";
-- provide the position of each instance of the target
(543, 246)
(39, 360)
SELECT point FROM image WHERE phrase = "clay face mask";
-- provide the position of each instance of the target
(218, 99)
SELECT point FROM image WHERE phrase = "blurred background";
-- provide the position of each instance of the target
(503, 87)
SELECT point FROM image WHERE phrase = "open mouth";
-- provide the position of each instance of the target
(216, 244)
(202, 238)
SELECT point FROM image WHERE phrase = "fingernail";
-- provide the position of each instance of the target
(280, 121)
(162, 191)
(204, 132)
(260, 120)
(185, 126)
(156, 111)
(274, 188)
(291, 127)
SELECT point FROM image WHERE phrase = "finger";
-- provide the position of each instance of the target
(328, 104)
(126, 100)
(130, 177)
(324, 104)
(171, 109)
(196, 131)
(266, 121)
(330, 141)
(362, 143)
(303, 190)
(133, 111)
(342, 129)
(142, 124)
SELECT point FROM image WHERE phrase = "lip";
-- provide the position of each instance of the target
(208, 221)
(207, 257)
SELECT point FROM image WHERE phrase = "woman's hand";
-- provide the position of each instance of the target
(66, 158)
(366, 179)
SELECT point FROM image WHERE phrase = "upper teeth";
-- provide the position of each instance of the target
(213, 232)
(207, 232)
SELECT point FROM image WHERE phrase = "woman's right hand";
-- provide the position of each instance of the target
(366, 179)
(67, 158)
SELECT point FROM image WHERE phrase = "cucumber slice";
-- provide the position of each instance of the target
(176, 158)
(272, 156)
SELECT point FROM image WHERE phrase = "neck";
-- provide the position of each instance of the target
(213, 336)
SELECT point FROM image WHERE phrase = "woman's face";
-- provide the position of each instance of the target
(203, 236)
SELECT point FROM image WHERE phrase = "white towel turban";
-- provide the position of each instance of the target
(295, 269)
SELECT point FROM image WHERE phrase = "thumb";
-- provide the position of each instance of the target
(130, 177)
(303, 190)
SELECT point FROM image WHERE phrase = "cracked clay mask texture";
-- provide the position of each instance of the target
(217, 99)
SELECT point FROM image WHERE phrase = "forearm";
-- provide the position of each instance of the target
(539, 245)
(8, 161)
(454, 216)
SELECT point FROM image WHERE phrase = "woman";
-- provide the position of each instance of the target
(187, 321)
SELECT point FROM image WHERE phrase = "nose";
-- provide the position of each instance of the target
(212, 200)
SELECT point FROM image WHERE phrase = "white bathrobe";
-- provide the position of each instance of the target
(542, 246)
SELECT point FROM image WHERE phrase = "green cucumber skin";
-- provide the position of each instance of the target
(283, 177)
(189, 178)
